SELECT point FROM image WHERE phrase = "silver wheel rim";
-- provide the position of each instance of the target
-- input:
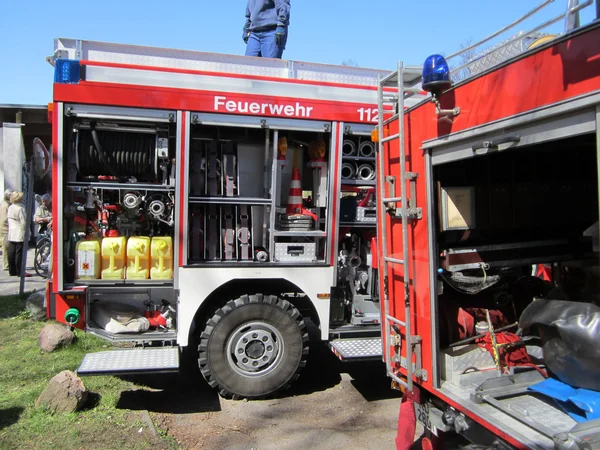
(255, 349)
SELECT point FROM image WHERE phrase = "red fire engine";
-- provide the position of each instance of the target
(491, 175)
(218, 203)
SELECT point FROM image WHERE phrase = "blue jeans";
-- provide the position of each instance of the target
(262, 43)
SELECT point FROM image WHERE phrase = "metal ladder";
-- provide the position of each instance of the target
(403, 81)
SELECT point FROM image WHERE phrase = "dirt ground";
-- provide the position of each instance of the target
(332, 406)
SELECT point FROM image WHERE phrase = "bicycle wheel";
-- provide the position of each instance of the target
(42, 259)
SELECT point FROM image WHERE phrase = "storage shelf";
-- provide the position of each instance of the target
(138, 283)
(300, 233)
(359, 158)
(359, 224)
(358, 182)
(231, 200)
(245, 265)
(125, 186)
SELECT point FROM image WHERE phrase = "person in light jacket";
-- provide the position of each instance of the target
(4, 227)
(266, 28)
(16, 234)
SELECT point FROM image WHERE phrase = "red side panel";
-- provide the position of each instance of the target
(567, 70)
(96, 93)
(55, 189)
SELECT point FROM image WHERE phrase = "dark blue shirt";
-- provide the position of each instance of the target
(267, 14)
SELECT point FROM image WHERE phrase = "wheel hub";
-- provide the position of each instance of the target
(254, 348)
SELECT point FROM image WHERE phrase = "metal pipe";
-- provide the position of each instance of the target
(29, 202)
(396, 321)
(391, 137)
(499, 32)
(406, 274)
(393, 260)
(399, 381)
(392, 199)
(478, 336)
(572, 19)
(542, 26)
(381, 220)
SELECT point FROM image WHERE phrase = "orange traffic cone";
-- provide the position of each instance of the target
(294, 205)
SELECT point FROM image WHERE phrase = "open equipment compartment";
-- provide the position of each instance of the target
(357, 266)
(118, 222)
(258, 194)
(499, 215)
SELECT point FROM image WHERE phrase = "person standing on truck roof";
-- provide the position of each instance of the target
(266, 28)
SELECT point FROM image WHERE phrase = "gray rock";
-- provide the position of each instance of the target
(35, 304)
(65, 393)
(54, 336)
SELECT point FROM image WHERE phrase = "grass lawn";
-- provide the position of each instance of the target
(25, 372)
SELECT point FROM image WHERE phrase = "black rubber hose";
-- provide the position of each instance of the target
(108, 167)
(116, 153)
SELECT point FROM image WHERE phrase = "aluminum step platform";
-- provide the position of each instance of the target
(360, 349)
(131, 361)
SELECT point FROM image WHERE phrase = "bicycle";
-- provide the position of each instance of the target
(43, 250)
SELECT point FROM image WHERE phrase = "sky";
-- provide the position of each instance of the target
(372, 33)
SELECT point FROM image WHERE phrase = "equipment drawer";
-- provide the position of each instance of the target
(295, 251)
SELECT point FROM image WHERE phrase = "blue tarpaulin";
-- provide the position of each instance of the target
(581, 404)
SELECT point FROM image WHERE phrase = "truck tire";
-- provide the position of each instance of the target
(253, 347)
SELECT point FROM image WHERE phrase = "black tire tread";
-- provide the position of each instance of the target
(231, 305)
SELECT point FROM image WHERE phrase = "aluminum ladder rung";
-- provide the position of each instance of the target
(406, 83)
(396, 321)
(393, 260)
(390, 138)
(392, 199)
(391, 77)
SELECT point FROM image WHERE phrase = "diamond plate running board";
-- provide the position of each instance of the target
(130, 361)
(361, 349)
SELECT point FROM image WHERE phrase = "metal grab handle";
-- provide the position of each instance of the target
(496, 142)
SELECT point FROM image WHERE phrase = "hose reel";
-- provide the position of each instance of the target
(106, 150)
